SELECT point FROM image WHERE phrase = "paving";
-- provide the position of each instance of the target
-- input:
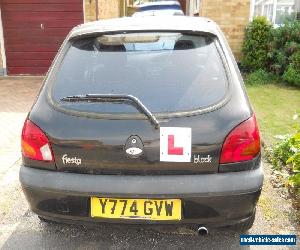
(16, 97)
(21, 229)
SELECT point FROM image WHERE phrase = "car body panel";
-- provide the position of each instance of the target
(100, 145)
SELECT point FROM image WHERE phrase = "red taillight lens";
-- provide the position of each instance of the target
(242, 143)
(35, 144)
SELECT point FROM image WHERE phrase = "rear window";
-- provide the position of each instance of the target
(167, 72)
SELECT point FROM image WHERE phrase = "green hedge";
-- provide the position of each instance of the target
(255, 46)
(274, 50)
(292, 72)
(260, 77)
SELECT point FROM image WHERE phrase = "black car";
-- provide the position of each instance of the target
(143, 120)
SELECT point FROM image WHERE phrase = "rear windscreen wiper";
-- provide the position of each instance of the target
(119, 98)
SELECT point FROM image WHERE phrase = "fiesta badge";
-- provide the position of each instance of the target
(134, 146)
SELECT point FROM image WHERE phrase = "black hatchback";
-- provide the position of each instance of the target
(143, 120)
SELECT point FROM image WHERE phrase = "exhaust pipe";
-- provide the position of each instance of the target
(202, 231)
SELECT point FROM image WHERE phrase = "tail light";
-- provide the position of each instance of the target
(35, 144)
(242, 143)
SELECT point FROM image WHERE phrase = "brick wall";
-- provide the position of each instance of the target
(106, 9)
(109, 9)
(232, 16)
(89, 10)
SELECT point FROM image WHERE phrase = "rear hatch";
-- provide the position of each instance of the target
(139, 103)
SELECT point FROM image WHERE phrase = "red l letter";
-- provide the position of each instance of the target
(171, 149)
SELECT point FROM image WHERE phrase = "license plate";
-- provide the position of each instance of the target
(144, 209)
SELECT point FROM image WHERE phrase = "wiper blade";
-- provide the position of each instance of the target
(120, 98)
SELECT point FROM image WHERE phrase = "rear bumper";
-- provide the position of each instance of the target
(212, 199)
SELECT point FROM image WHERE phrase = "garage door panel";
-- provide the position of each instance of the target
(29, 63)
(14, 16)
(30, 55)
(32, 47)
(54, 23)
(34, 31)
(77, 2)
(34, 40)
(30, 7)
(25, 70)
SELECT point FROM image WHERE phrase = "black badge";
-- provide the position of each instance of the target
(134, 146)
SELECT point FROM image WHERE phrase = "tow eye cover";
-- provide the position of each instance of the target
(134, 146)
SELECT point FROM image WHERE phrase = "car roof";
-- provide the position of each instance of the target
(157, 23)
(171, 12)
(159, 8)
(158, 3)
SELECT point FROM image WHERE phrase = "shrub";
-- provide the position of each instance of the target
(281, 152)
(256, 44)
(292, 73)
(259, 77)
(267, 50)
(284, 43)
(295, 61)
(287, 153)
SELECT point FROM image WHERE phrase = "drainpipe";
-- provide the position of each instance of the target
(97, 10)
(122, 5)
(4, 70)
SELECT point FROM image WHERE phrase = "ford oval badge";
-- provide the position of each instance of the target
(134, 146)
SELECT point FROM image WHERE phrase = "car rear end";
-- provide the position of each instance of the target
(143, 124)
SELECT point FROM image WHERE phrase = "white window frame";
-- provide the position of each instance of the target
(193, 7)
(275, 4)
(196, 6)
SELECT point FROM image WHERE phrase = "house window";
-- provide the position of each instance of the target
(276, 11)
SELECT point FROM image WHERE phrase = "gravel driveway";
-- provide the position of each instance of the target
(21, 229)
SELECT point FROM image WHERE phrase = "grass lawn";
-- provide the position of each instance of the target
(274, 106)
